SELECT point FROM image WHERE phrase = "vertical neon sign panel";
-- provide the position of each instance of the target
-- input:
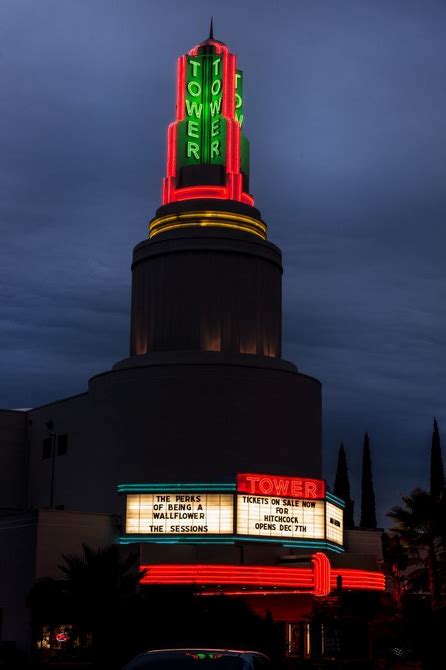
(208, 129)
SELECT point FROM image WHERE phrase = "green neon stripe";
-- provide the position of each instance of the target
(228, 539)
(169, 487)
(334, 499)
(192, 539)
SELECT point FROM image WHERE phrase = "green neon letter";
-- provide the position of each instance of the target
(194, 88)
(215, 64)
(193, 108)
(239, 119)
(215, 127)
(238, 101)
(215, 148)
(192, 129)
(215, 107)
(193, 150)
(216, 86)
(195, 65)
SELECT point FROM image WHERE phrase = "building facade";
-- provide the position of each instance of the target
(203, 399)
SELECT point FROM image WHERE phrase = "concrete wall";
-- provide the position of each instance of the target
(62, 532)
(13, 459)
(18, 534)
(71, 417)
(364, 541)
(200, 417)
(205, 290)
(174, 417)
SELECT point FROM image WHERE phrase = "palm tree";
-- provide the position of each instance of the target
(100, 577)
(395, 563)
(97, 594)
(421, 525)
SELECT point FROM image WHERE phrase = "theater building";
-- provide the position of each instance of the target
(203, 446)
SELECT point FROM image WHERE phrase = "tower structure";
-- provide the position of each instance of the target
(165, 449)
(205, 392)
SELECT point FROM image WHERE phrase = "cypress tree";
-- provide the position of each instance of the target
(342, 488)
(437, 472)
(368, 511)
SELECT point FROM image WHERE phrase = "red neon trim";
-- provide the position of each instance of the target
(319, 580)
(283, 487)
(359, 579)
(171, 150)
(233, 165)
(227, 574)
(181, 88)
(321, 566)
(247, 199)
(257, 592)
(219, 47)
(195, 192)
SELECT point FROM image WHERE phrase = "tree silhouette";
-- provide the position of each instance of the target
(421, 525)
(437, 471)
(342, 488)
(368, 511)
(97, 594)
(395, 563)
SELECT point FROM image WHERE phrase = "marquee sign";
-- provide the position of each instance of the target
(179, 513)
(280, 517)
(207, 153)
(256, 508)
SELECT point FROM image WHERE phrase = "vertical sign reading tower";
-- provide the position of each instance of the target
(201, 135)
(207, 133)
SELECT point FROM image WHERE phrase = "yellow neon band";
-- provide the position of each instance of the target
(205, 225)
(208, 219)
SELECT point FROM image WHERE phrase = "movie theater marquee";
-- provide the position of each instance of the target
(261, 506)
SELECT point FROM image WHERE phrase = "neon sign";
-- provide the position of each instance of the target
(257, 507)
(201, 133)
(207, 153)
(318, 579)
(275, 485)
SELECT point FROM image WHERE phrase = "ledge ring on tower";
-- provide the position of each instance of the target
(207, 219)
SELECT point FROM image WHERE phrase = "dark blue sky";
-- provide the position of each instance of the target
(345, 109)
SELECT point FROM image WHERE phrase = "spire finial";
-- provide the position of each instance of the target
(211, 29)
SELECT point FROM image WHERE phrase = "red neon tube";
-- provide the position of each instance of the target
(319, 579)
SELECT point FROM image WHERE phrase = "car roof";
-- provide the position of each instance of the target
(206, 650)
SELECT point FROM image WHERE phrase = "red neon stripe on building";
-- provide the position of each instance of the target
(219, 47)
(321, 569)
(319, 580)
(195, 192)
(247, 199)
(181, 88)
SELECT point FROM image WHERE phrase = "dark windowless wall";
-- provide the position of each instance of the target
(206, 291)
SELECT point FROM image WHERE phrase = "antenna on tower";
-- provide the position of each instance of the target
(211, 29)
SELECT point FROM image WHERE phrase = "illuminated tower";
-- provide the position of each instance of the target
(205, 393)
(229, 302)
(208, 154)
